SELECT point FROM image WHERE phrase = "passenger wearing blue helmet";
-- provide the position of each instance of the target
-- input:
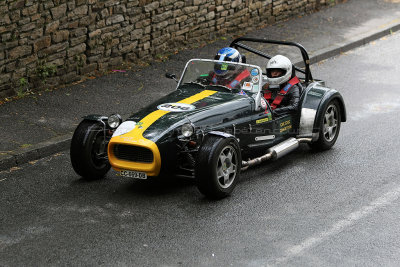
(228, 75)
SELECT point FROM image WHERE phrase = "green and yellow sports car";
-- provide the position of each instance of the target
(204, 129)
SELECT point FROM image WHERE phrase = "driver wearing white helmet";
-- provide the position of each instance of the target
(282, 90)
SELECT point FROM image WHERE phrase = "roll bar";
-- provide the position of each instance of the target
(238, 43)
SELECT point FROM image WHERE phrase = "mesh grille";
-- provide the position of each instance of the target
(133, 153)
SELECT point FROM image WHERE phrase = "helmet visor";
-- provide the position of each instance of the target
(223, 68)
(275, 73)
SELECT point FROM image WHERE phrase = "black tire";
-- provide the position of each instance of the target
(217, 168)
(329, 127)
(88, 152)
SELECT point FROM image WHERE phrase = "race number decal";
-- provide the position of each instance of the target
(176, 107)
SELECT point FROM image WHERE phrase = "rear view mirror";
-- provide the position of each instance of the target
(171, 76)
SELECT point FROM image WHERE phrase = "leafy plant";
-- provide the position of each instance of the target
(45, 71)
(80, 62)
(23, 87)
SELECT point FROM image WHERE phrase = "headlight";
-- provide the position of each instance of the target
(187, 130)
(124, 128)
(114, 121)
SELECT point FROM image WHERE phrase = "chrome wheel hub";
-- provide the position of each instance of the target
(227, 166)
(330, 123)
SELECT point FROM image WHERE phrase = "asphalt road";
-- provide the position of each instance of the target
(336, 208)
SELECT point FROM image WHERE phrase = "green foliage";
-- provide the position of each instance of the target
(23, 82)
(45, 71)
(80, 62)
(23, 88)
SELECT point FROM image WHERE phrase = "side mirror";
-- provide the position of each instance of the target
(171, 76)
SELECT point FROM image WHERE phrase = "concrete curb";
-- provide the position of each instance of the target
(35, 152)
(337, 49)
(61, 143)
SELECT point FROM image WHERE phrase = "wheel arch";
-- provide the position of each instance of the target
(314, 100)
(223, 135)
(95, 117)
(329, 97)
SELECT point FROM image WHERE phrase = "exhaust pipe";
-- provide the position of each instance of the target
(276, 152)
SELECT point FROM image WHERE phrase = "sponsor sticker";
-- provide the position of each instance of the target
(315, 93)
(242, 92)
(234, 83)
(285, 126)
(263, 103)
(254, 72)
(255, 79)
(287, 87)
(176, 107)
(263, 120)
(247, 86)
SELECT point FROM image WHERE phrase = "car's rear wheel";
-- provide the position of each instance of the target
(88, 150)
(218, 165)
(330, 127)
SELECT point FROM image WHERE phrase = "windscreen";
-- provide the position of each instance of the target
(220, 75)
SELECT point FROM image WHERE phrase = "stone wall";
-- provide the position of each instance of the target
(47, 43)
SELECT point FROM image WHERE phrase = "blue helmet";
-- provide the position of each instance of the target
(228, 54)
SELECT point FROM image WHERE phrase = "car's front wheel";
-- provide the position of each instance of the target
(88, 150)
(218, 165)
(330, 127)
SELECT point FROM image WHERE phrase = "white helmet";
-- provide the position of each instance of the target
(282, 63)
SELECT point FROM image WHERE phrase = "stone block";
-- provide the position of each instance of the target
(60, 36)
(129, 47)
(114, 19)
(70, 77)
(160, 25)
(18, 74)
(17, 4)
(41, 43)
(116, 61)
(80, 2)
(79, 12)
(73, 24)
(87, 21)
(71, 5)
(111, 3)
(152, 6)
(120, 9)
(27, 60)
(56, 48)
(4, 78)
(77, 40)
(162, 17)
(94, 34)
(76, 50)
(59, 11)
(11, 44)
(136, 34)
(79, 31)
(52, 26)
(20, 51)
(88, 68)
(210, 15)
(30, 10)
(28, 27)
